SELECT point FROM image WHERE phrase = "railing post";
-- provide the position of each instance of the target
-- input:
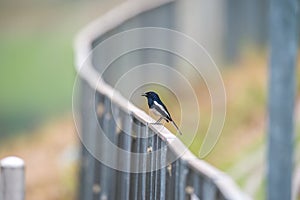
(12, 179)
(282, 88)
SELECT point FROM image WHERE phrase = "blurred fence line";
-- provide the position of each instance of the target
(126, 127)
(12, 179)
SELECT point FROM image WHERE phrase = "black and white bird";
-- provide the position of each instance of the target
(158, 108)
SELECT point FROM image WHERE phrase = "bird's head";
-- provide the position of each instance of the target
(151, 95)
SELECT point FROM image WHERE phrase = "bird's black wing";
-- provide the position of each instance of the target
(162, 109)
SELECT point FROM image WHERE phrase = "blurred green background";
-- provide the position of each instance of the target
(36, 58)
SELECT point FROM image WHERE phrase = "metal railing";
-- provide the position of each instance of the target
(12, 178)
(184, 178)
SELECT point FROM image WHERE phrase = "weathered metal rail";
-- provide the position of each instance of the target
(141, 177)
(12, 178)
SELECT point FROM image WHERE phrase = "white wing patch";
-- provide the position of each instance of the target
(161, 109)
(155, 112)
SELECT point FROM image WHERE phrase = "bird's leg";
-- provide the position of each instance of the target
(157, 122)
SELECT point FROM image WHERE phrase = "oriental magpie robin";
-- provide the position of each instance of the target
(158, 108)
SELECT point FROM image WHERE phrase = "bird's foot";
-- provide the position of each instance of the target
(156, 123)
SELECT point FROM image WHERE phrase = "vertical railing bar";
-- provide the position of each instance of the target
(189, 188)
(163, 158)
(197, 185)
(192, 188)
(88, 133)
(143, 163)
(114, 140)
(134, 176)
(183, 171)
(177, 179)
(86, 174)
(158, 170)
(119, 174)
(153, 170)
(125, 143)
(104, 123)
(139, 126)
(119, 143)
(97, 178)
(209, 190)
(149, 164)
(170, 176)
(99, 100)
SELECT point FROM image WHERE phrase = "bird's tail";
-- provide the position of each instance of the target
(176, 127)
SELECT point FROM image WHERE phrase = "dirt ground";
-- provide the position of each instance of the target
(50, 154)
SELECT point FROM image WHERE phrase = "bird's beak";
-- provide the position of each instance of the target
(144, 95)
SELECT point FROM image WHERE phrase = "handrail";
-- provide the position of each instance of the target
(224, 187)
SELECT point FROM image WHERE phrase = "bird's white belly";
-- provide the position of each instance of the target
(155, 112)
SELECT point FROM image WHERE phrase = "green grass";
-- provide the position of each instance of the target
(36, 78)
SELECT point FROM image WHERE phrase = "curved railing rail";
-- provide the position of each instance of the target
(185, 178)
